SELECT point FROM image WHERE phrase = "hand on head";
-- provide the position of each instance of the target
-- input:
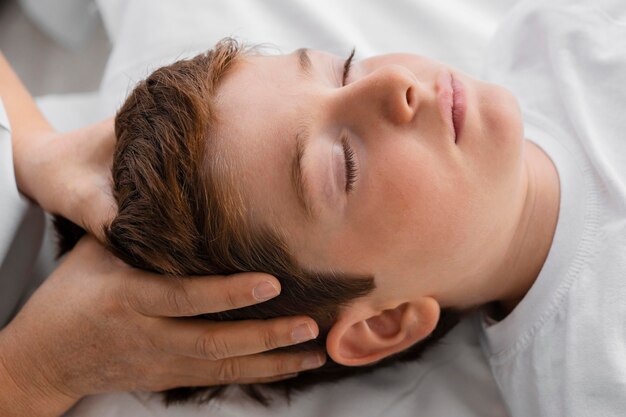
(98, 325)
(69, 174)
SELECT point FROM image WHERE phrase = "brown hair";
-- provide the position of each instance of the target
(180, 214)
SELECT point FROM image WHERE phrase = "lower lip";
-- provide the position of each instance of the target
(459, 106)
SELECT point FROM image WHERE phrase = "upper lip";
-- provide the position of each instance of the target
(445, 98)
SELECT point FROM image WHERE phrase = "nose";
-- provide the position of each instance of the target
(391, 92)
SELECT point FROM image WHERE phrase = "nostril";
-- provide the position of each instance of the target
(409, 96)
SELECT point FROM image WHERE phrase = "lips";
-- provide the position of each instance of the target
(459, 105)
(445, 100)
(452, 102)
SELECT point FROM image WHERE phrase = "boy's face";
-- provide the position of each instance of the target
(428, 205)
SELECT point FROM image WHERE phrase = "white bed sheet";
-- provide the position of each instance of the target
(454, 379)
(147, 35)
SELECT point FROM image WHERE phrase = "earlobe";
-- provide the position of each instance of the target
(364, 336)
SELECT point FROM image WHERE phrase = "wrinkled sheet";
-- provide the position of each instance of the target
(454, 378)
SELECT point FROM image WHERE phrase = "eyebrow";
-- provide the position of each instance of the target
(298, 180)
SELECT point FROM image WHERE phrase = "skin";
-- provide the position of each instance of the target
(437, 223)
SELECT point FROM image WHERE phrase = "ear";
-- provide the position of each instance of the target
(364, 335)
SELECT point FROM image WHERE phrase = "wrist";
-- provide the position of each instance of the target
(24, 388)
(30, 161)
(69, 174)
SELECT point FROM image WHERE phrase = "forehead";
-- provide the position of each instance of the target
(259, 104)
(256, 93)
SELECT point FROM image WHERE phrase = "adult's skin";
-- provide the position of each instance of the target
(98, 325)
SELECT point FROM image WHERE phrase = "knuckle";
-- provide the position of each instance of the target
(231, 299)
(270, 339)
(150, 343)
(212, 348)
(179, 300)
(228, 371)
(128, 296)
(281, 366)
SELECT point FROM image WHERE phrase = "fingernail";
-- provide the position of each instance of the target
(312, 361)
(302, 333)
(265, 291)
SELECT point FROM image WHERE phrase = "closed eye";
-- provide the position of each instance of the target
(351, 168)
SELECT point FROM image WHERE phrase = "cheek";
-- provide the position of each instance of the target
(438, 214)
(497, 153)
(414, 211)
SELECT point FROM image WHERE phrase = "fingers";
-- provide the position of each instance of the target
(158, 295)
(246, 381)
(214, 341)
(246, 369)
(264, 365)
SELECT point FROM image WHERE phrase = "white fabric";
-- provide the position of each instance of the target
(11, 205)
(562, 351)
(21, 231)
(112, 13)
(149, 33)
(72, 111)
(69, 22)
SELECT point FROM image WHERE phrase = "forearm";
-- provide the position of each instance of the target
(27, 123)
(23, 112)
(24, 390)
(66, 174)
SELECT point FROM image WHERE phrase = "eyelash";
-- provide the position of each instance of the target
(351, 169)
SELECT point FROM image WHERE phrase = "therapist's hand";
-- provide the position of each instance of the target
(98, 325)
(69, 173)
(66, 173)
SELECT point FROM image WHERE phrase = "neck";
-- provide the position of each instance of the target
(534, 234)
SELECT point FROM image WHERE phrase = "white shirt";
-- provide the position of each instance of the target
(562, 351)
(21, 232)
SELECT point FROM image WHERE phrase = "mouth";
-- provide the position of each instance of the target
(459, 106)
(452, 103)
